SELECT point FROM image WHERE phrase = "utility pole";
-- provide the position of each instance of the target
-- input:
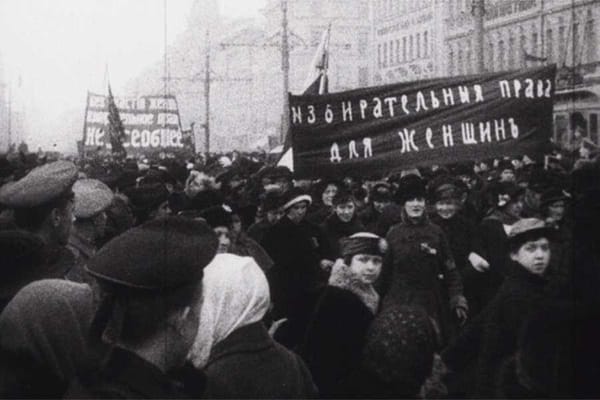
(9, 116)
(207, 96)
(285, 67)
(478, 11)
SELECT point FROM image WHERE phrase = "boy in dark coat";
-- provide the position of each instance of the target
(492, 336)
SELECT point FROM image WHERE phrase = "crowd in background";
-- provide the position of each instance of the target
(478, 279)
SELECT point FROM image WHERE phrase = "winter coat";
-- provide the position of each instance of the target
(418, 264)
(369, 217)
(296, 250)
(43, 339)
(249, 364)
(521, 294)
(246, 246)
(335, 229)
(127, 376)
(257, 230)
(25, 258)
(491, 243)
(461, 232)
(336, 335)
(318, 213)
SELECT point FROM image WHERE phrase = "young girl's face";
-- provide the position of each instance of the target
(366, 267)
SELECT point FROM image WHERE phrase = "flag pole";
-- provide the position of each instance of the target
(285, 67)
(324, 76)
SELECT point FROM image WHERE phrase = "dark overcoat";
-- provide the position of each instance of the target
(250, 364)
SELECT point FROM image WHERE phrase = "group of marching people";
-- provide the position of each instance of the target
(160, 279)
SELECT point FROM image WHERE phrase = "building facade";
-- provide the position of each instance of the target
(408, 38)
(524, 32)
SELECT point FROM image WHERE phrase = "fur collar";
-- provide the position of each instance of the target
(342, 278)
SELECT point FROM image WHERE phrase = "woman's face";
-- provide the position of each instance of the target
(224, 239)
(515, 208)
(366, 267)
(446, 208)
(556, 210)
(345, 211)
(328, 194)
(297, 212)
(415, 207)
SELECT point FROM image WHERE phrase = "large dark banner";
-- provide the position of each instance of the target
(438, 121)
(151, 124)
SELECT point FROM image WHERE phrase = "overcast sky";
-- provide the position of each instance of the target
(54, 51)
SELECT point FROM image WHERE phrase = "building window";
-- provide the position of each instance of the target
(470, 61)
(425, 44)
(410, 49)
(398, 51)
(501, 55)
(534, 44)
(511, 52)
(450, 62)
(379, 56)
(385, 54)
(491, 58)
(392, 54)
(522, 49)
(404, 49)
(561, 42)
(363, 77)
(459, 62)
(363, 43)
(549, 46)
(591, 40)
(575, 43)
(418, 45)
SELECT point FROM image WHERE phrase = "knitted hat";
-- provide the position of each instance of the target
(220, 215)
(162, 254)
(363, 243)
(410, 187)
(399, 348)
(294, 196)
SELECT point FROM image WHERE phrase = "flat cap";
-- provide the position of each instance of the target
(527, 226)
(40, 186)
(91, 197)
(162, 254)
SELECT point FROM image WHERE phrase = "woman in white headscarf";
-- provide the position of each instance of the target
(233, 347)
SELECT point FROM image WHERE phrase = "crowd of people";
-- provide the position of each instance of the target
(225, 277)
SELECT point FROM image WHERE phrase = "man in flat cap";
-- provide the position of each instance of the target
(149, 282)
(120, 336)
(34, 248)
(92, 198)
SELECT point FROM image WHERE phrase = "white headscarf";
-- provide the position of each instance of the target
(235, 293)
